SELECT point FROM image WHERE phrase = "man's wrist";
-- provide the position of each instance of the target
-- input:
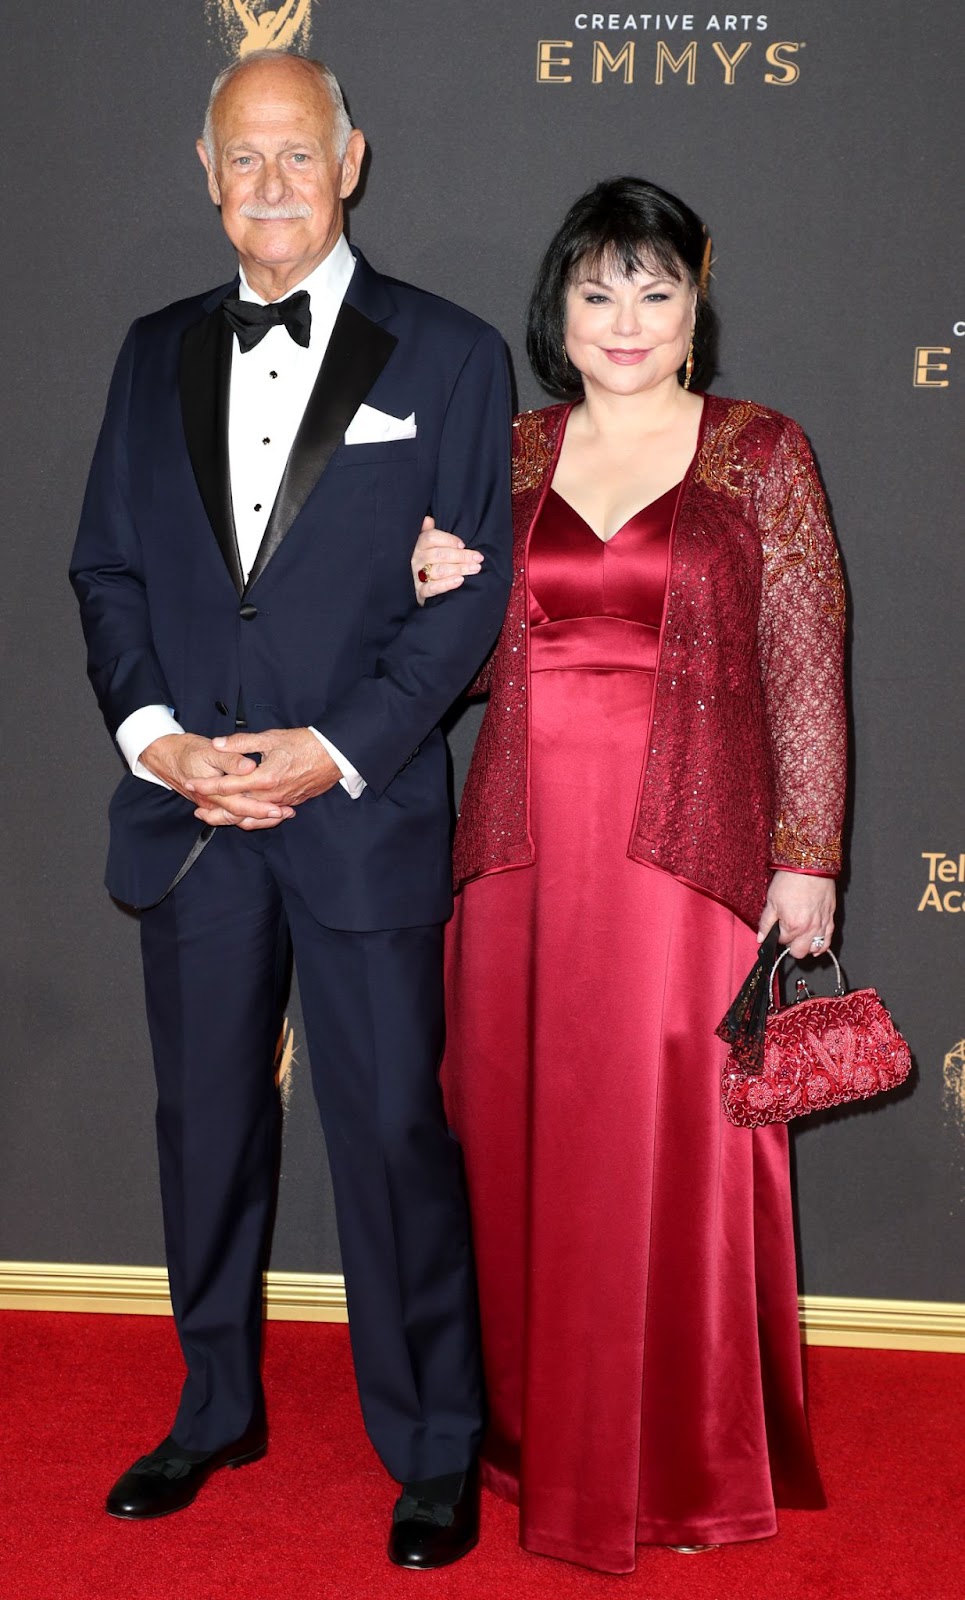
(157, 745)
(351, 780)
(139, 731)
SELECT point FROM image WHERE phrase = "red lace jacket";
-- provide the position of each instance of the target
(746, 749)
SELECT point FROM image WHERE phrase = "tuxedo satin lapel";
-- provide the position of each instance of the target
(357, 352)
(204, 378)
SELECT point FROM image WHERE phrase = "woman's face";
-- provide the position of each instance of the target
(626, 335)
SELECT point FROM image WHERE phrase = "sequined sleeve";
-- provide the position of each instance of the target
(802, 622)
(483, 681)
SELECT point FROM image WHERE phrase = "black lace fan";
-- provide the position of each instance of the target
(743, 1025)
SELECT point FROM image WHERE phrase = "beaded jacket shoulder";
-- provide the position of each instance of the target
(534, 443)
(727, 458)
(740, 438)
(762, 458)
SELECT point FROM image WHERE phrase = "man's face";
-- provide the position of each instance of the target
(276, 174)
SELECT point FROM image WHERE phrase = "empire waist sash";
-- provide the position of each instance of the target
(594, 644)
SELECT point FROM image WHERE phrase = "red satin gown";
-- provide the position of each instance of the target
(635, 1252)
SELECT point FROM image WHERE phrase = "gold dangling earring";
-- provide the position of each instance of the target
(689, 368)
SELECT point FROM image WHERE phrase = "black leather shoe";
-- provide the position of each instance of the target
(168, 1479)
(436, 1522)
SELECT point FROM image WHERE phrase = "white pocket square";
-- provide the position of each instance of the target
(369, 426)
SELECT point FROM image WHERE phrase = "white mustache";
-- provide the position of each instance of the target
(291, 212)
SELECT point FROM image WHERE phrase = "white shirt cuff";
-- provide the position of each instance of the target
(139, 730)
(352, 782)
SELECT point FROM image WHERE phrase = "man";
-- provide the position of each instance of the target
(267, 457)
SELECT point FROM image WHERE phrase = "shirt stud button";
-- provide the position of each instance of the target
(258, 506)
(272, 374)
(266, 441)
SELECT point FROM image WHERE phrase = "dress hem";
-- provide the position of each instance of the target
(762, 1525)
(732, 1530)
(622, 1562)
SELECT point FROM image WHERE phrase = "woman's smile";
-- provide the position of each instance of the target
(625, 358)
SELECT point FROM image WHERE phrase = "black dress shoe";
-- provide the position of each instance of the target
(169, 1478)
(436, 1522)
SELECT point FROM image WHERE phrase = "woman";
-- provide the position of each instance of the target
(661, 765)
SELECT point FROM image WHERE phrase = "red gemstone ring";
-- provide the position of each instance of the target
(423, 574)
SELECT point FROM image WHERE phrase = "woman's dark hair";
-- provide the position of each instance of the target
(629, 224)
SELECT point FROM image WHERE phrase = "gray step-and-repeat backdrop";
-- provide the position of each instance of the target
(817, 137)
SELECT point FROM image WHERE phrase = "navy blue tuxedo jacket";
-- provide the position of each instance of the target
(326, 632)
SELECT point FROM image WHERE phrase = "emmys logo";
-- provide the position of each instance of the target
(286, 1059)
(943, 872)
(247, 25)
(664, 48)
(954, 1082)
(931, 361)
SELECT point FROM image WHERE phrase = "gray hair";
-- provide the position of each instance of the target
(341, 121)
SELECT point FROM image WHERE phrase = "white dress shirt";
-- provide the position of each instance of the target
(270, 388)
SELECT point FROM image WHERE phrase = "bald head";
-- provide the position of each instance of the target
(283, 62)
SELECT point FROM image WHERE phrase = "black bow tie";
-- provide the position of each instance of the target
(251, 322)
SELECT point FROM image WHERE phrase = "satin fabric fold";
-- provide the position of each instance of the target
(635, 1252)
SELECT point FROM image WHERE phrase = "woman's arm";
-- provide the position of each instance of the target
(801, 635)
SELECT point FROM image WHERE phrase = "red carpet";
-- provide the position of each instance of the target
(84, 1395)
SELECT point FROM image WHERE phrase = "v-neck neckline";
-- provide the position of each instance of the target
(676, 488)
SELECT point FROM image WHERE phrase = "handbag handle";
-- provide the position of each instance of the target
(839, 987)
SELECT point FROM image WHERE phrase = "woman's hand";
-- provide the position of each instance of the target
(804, 906)
(444, 560)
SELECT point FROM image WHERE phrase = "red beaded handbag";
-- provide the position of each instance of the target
(819, 1052)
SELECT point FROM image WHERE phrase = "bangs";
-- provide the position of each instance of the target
(623, 256)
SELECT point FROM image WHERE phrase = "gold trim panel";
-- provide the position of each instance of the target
(143, 1291)
(883, 1324)
(320, 1297)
